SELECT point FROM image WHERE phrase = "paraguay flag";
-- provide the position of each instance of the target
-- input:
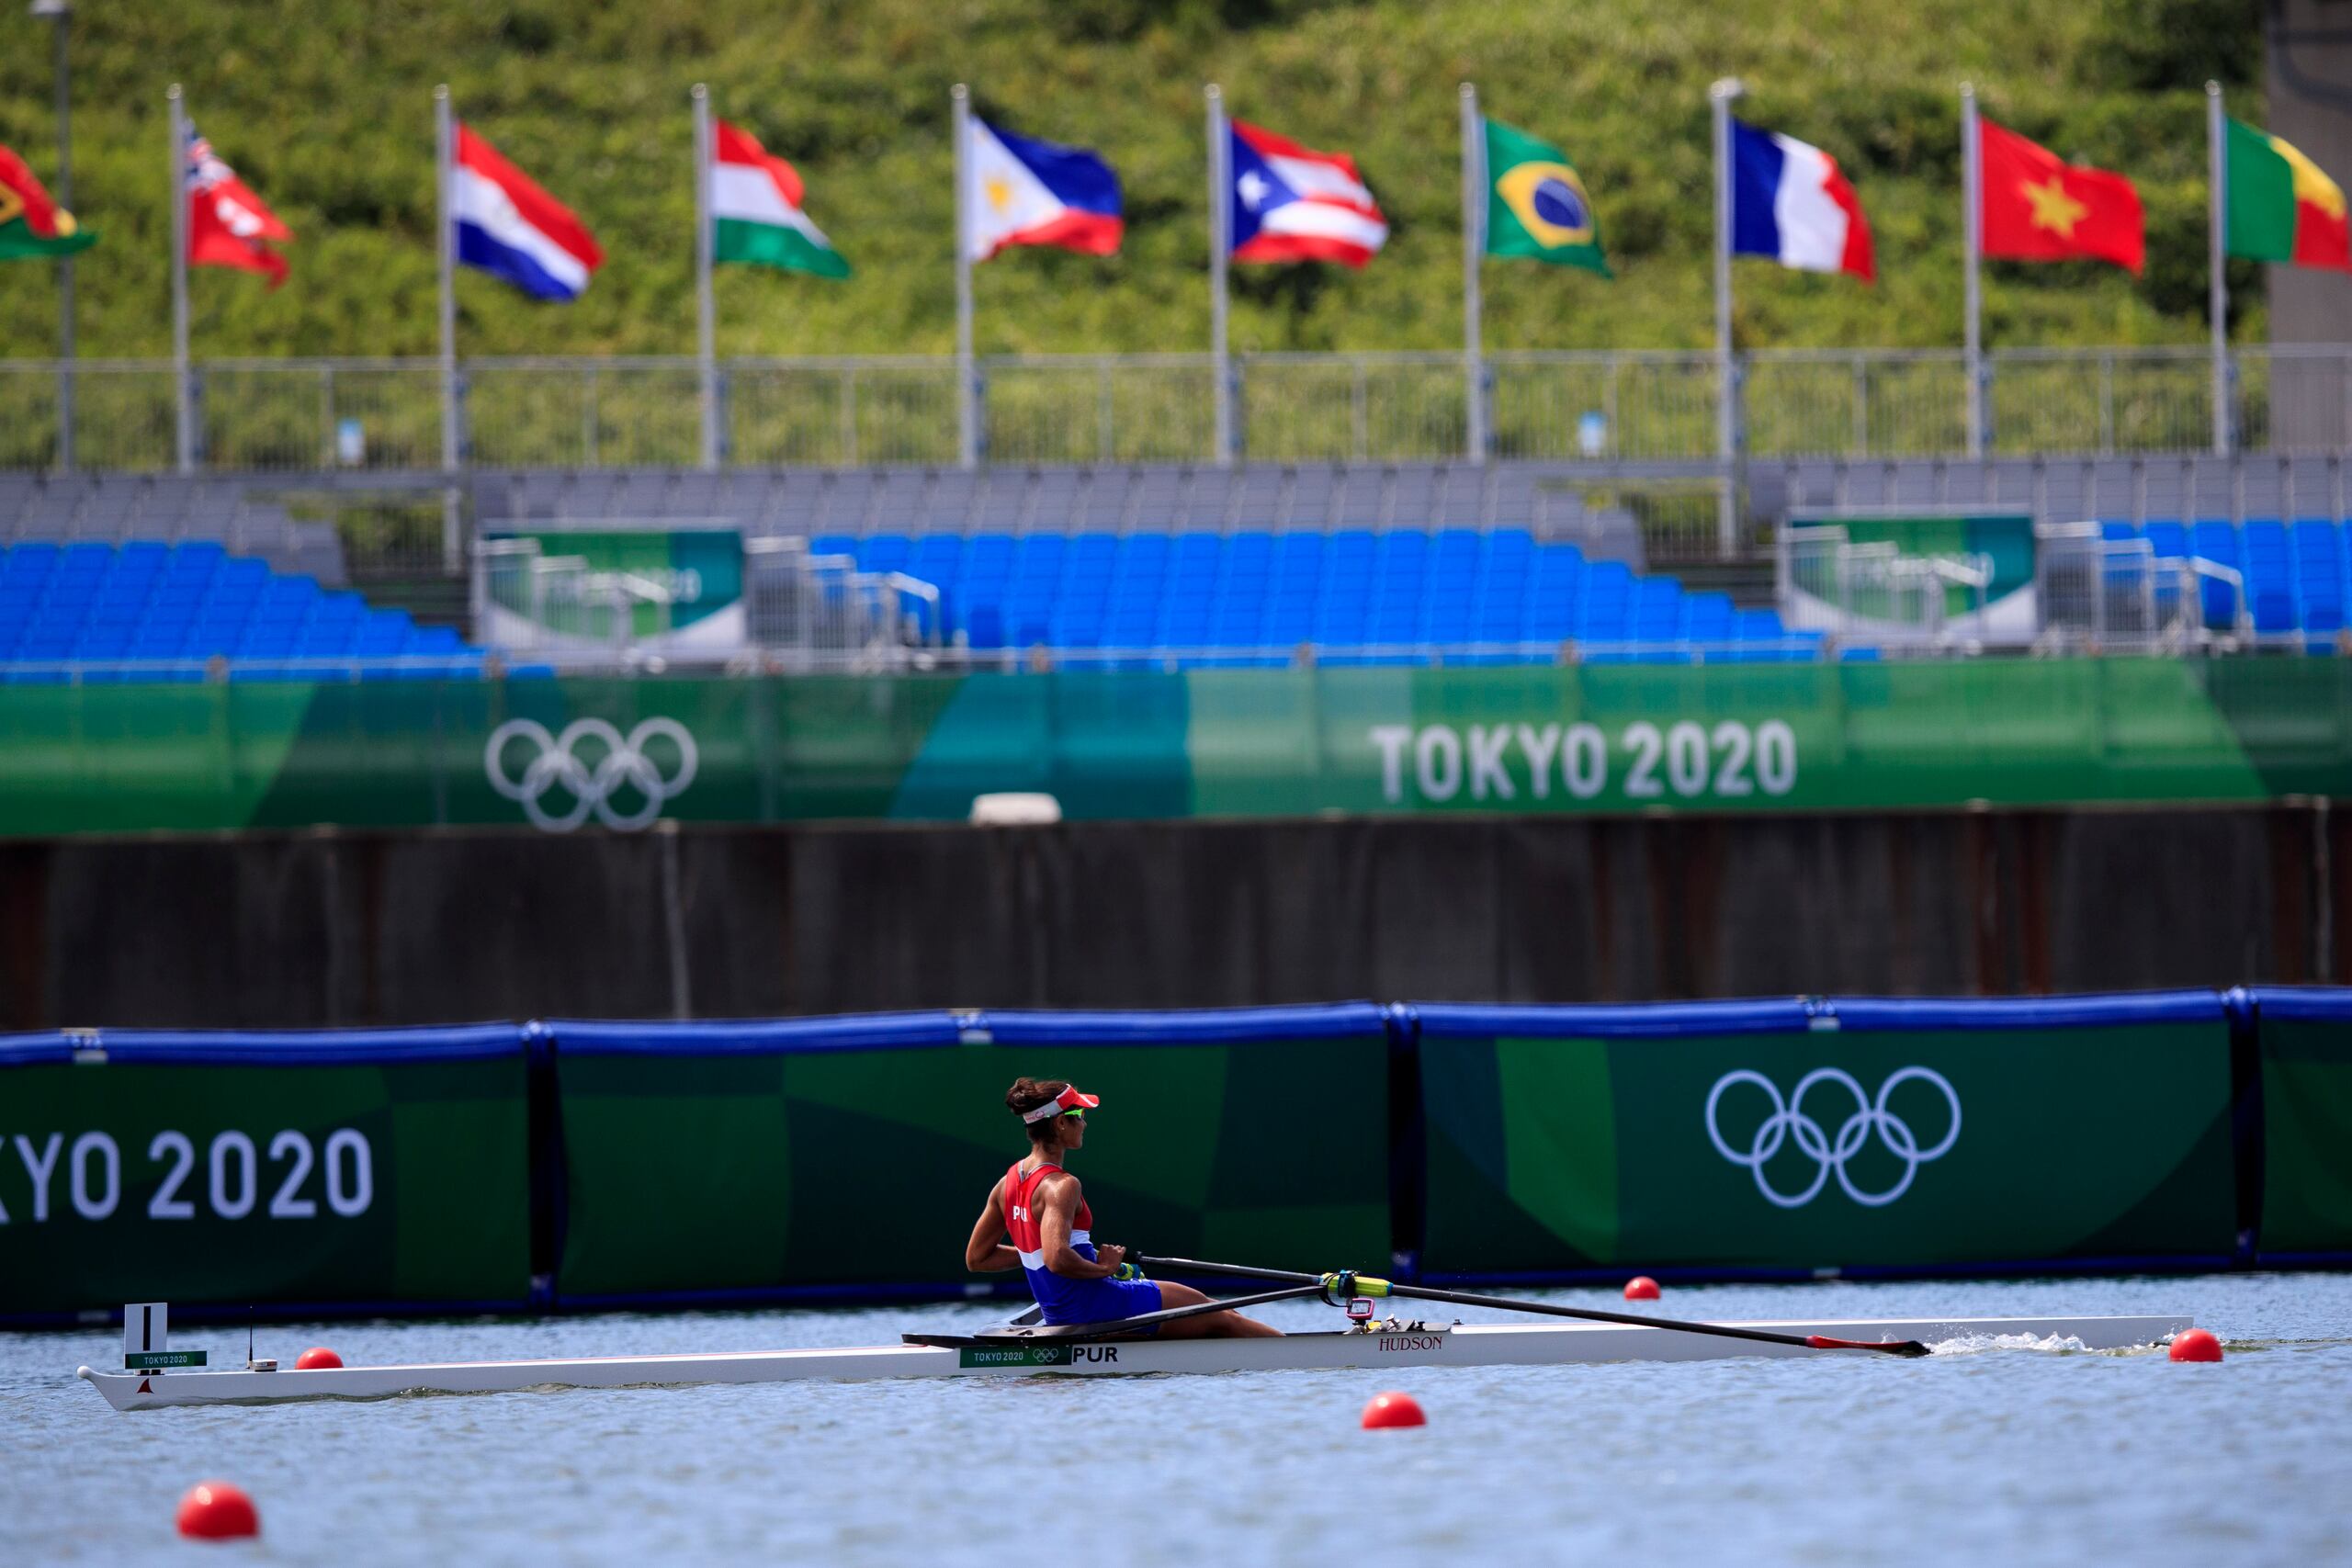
(507, 225)
(1023, 192)
(1291, 203)
(1790, 201)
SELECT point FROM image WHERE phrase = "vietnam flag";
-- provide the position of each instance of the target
(2281, 207)
(2039, 208)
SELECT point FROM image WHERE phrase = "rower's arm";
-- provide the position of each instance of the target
(1056, 1217)
(987, 1252)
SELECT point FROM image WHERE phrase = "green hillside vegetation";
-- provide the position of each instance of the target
(325, 107)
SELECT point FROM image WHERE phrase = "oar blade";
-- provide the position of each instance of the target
(1886, 1346)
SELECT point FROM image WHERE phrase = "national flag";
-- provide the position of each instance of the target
(1791, 201)
(2037, 206)
(1021, 191)
(507, 226)
(1535, 205)
(1290, 203)
(2281, 209)
(755, 209)
(30, 223)
(226, 222)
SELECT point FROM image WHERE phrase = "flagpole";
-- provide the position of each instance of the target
(706, 326)
(1474, 245)
(968, 411)
(184, 445)
(1720, 98)
(1971, 223)
(1220, 243)
(445, 140)
(2218, 183)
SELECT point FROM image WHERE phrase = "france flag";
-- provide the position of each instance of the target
(1791, 202)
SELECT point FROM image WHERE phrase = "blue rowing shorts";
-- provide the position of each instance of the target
(1098, 1300)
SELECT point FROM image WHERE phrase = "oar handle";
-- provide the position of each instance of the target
(1231, 1270)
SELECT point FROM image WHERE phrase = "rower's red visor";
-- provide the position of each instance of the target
(1062, 1104)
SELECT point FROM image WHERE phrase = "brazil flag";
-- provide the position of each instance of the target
(1537, 206)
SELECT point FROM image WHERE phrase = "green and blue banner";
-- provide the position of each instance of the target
(355, 1170)
(1790, 1136)
(856, 1153)
(2305, 1043)
(557, 755)
(591, 1164)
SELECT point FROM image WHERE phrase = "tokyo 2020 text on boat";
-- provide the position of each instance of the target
(155, 1376)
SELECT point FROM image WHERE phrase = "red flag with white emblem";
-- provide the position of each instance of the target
(227, 225)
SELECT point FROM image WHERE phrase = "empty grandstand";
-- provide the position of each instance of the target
(149, 610)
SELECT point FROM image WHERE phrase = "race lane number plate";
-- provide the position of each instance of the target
(156, 1361)
(1013, 1356)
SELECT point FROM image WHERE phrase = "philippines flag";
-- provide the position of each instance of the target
(508, 226)
(1024, 192)
(227, 223)
(1291, 203)
(1790, 202)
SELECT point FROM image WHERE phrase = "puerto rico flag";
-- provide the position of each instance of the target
(1790, 201)
(508, 226)
(1023, 192)
(227, 225)
(1290, 203)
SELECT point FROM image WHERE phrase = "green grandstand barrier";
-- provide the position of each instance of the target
(1743, 1135)
(2306, 1045)
(559, 754)
(854, 1152)
(354, 1169)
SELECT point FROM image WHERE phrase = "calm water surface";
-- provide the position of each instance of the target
(1995, 1456)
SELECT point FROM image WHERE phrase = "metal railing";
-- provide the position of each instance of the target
(304, 415)
(2098, 594)
(807, 611)
(1877, 592)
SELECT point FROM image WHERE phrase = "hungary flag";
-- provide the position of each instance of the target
(2281, 209)
(755, 209)
(30, 223)
(1537, 206)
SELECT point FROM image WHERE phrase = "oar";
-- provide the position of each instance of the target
(1366, 1285)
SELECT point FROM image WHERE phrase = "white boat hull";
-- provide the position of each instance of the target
(1482, 1345)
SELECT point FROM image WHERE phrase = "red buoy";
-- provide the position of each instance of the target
(2197, 1345)
(316, 1357)
(1392, 1410)
(215, 1510)
(1641, 1288)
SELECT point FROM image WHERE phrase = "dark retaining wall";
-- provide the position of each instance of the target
(335, 927)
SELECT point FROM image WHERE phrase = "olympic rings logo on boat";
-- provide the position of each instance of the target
(621, 767)
(1788, 1122)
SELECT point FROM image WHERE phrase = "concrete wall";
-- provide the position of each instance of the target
(2310, 83)
(326, 928)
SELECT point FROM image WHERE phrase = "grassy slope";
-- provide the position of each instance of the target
(325, 107)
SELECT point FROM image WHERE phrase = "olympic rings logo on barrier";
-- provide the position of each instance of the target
(1788, 1122)
(623, 766)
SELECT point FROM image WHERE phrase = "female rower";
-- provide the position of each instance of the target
(1041, 1207)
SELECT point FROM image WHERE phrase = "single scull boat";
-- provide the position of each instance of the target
(1383, 1345)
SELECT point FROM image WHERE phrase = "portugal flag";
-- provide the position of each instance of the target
(30, 223)
(2039, 207)
(2281, 209)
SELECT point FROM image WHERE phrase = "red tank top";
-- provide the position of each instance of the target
(1020, 1223)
